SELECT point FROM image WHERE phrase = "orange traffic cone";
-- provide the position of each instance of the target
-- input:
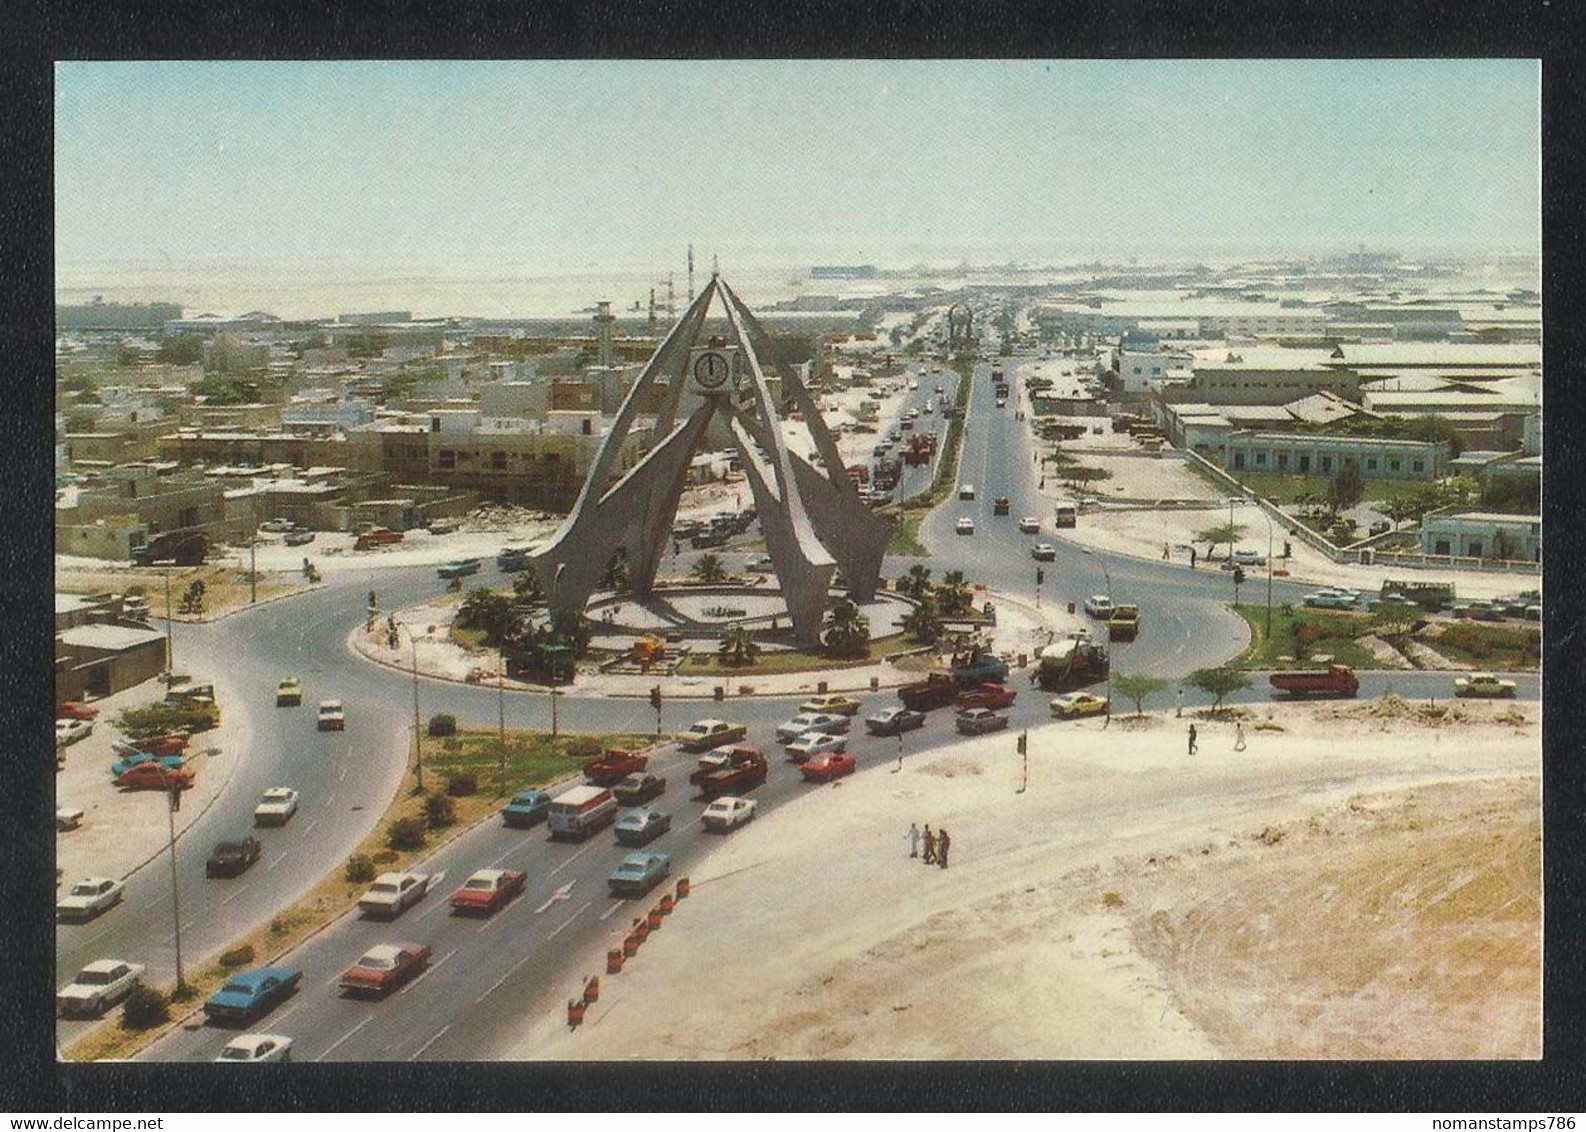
(575, 1013)
(667, 904)
(614, 958)
(630, 946)
(641, 929)
(682, 888)
(655, 919)
(591, 989)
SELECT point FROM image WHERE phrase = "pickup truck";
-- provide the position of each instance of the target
(1124, 624)
(730, 771)
(977, 666)
(708, 734)
(377, 537)
(615, 765)
(1334, 680)
(938, 689)
(637, 789)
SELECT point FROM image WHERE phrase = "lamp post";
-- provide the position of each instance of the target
(501, 716)
(1106, 573)
(170, 638)
(172, 801)
(418, 731)
(1255, 503)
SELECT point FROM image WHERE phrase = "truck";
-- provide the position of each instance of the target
(730, 770)
(579, 812)
(185, 548)
(614, 765)
(379, 536)
(1334, 680)
(1065, 515)
(938, 689)
(708, 734)
(1072, 662)
(1124, 624)
(976, 665)
(1430, 596)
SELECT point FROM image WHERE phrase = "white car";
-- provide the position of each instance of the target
(67, 817)
(257, 1047)
(1044, 552)
(966, 491)
(815, 743)
(1029, 525)
(332, 716)
(1248, 558)
(68, 731)
(277, 526)
(811, 721)
(1328, 599)
(89, 897)
(1099, 605)
(727, 813)
(98, 986)
(276, 807)
(391, 894)
(965, 526)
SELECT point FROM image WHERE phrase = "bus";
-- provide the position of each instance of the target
(1065, 515)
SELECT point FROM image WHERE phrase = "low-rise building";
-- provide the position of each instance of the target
(1483, 534)
(1324, 455)
(94, 660)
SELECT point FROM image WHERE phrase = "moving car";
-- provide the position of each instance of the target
(965, 526)
(966, 491)
(68, 731)
(289, 692)
(727, 813)
(74, 709)
(459, 568)
(637, 873)
(1124, 624)
(1334, 680)
(642, 826)
(331, 716)
(708, 734)
(276, 807)
(1001, 506)
(257, 1047)
(384, 967)
(813, 743)
(992, 696)
(233, 858)
(1099, 605)
(1483, 686)
(527, 808)
(809, 721)
(832, 764)
(488, 889)
(90, 897)
(831, 705)
(1044, 552)
(97, 987)
(637, 789)
(391, 894)
(67, 817)
(760, 564)
(894, 721)
(252, 994)
(580, 811)
(155, 775)
(1328, 599)
(978, 721)
(1029, 525)
(729, 770)
(1077, 705)
(615, 764)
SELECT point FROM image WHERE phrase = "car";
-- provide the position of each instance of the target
(277, 526)
(459, 568)
(289, 692)
(894, 721)
(808, 721)
(68, 731)
(332, 717)
(832, 705)
(966, 491)
(1328, 599)
(527, 808)
(637, 873)
(98, 987)
(391, 894)
(155, 775)
(298, 538)
(760, 564)
(1483, 686)
(1248, 558)
(727, 813)
(814, 743)
(488, 890)
(233, 858)
(1044, 552)
(127, 762)
(979, 721)
(987, 695)
(1029, 525)
(965, 526)
(1099, 606)
(252, 994)
(67, 817)
(75, 709)
(90, 897)
(276, 807)
(257, 1047)
(383, 968)
(827, 766)
(708, 734)
(638, 788)
(1076, 705)
(642, 825)
(1001, 505)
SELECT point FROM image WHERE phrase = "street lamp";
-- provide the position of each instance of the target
(170, 638)
(1108, 575)
(418, 731)
(1268, 518)
(172, 801)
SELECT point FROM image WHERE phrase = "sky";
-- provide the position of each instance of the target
(567, 166)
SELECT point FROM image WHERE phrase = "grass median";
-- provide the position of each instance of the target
(905, 518)
(1300, 634)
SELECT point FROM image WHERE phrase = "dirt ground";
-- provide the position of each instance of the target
(225, 585)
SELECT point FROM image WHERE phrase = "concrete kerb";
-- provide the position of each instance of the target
(206, 620)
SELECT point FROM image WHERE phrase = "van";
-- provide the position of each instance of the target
(1065, 515)
(581, 811)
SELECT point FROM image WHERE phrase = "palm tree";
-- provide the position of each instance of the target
(924, 621)
(916, 583)
(849, 634)
(738, 646)
(954, 595)
(709, 568)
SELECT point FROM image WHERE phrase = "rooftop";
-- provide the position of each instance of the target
(112, 638)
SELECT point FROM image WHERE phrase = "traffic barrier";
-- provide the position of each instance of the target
(667, 904)
(575, 1014)
(655, 919)
(630, 946)
(641, 930)
(614, 958)
(591, 989)
(682, 888)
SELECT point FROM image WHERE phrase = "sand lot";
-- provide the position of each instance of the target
(1363, 883)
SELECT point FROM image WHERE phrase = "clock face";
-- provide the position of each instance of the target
(711, 370)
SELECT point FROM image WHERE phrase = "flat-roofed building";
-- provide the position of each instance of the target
(1325, 455)
(1483, 534)
(96, 660)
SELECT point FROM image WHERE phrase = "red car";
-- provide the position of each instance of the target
(384, 968)
(824, 768)
(488, 889)
(155, 776)
(71, 709)
(990, 696)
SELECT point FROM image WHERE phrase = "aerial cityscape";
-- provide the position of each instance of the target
(1083, 606)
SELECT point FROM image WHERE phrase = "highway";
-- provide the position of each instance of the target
(488, 973)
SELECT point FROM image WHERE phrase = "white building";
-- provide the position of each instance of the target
(1483, 534)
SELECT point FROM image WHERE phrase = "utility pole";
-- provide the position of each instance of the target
(173, 802)
(418, 731)
(170, 638)
(501, 718)
(253, 565)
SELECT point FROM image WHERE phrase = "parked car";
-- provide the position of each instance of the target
(642, 825)
(807, 721)
(122, 765)
(391, 894)
(760, 564)
(814, 743)
(384, 967)
(1044, 552)
(1099, 606)
(90, 897)
(233, 858)
(727, 813)
(257, 1048)
(98, 987)
(1029, 525)
(894, 721)
(1483, 686)
(488, 889)
(637, 873)
(75, 709)
(332, 717)
(832, 705)
(252, 994)
(276, 807)
(298, 538)
(1248, 558)
(155, 775)
(276, 526)
(67, 817)
(827, 766)
(526, 808)
(289, 692)
(637, 789)
(993, 696)
(68, 731)
(1077, 705)
(979, 721)
(965, 526)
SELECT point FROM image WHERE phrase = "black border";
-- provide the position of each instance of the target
(36, 33)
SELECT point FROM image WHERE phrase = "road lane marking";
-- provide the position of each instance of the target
(343, 777)
(429, 1043)
(573, 858)
(570, 919)
(330, 798)
(503, 857)
(606, 915)
(278, 860)
(435, 966)
(562, 893)
(234, 895)
(344, 1037)
(309, 827)
(495, 986)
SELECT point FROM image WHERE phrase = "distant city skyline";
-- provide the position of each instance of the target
(562, 167)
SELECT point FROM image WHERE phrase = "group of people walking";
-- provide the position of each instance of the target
(936, 844)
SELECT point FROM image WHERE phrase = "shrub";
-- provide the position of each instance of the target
(384, 857)
(145, 1007)
(582, 747)
(443, 724)
(462, 784)
(359, 869)
(439, 811)
(405, 834)
(237, 956)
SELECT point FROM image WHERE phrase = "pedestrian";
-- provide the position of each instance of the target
(930, 846)
(1166, 552)
(942, 843)
(1192, 558)
(1239, 736)
(914, 840)
(1179, 711)
(1192, 739)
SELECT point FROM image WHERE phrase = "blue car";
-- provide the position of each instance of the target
(528, 807)
(642, 825)
(638, 873)
(120, 766)
(252, 994)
